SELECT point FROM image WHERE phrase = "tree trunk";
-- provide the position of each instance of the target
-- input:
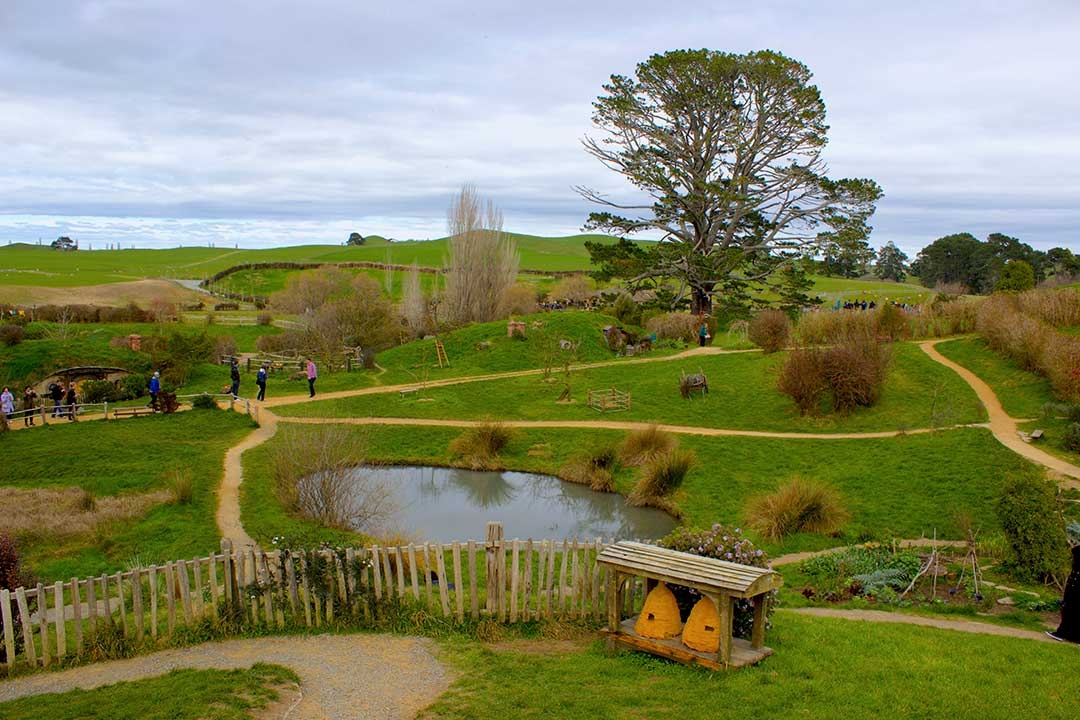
(700, 301)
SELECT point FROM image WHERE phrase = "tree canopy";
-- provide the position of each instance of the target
(64, 243)
(891, 263)
(962, 259)
(727, 150)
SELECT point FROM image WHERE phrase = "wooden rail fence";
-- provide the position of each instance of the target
(507, 581)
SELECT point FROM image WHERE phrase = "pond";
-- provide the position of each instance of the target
(451, 504)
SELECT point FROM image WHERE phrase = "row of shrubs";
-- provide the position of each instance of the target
(1032, 343)
(130, 313)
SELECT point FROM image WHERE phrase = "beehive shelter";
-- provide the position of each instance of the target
(720, 582)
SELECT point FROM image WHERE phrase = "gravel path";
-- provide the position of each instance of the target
(342, 676)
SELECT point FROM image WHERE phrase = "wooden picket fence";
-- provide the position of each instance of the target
(508, 581)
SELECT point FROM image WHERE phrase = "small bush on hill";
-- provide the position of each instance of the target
(204, 402)
(98, 391)
(678, 326)
(802, 378)
(800, 505)
(1030, 515)
(660, 476)
(770, 330)
(479, 446)
(1071, 439)
(11, 334)
(133, 386)
(892, 322)
(640, 446)
(595, 468)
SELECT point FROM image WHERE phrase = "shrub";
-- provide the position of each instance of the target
(133, 386)
(1030, 515)
(721, 543)
(595, 468)
(264, 319)
(518, 299)
(661, 475)
(855, 374)
(641, 446)
(316, 474)
(802, 378)
(626, 310)
(11, 334)
(204, 402)
(770, 330)
(892, 322)
(677, 326)
(182, 486)
(97, 391)
(1071, 437)
(225, 346)
(13, 575)
(801, 505)
(857, 570)
(480, 445)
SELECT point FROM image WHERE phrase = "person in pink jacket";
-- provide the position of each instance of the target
(312, 374)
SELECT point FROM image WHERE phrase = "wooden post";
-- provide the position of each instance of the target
(562, 577)
(91, 604)
(527, 585)
(515, 575)
(412, 572)
(27, 628)
(120, 603)
(61, 622)
(541, 580)
(211, 567)
(757, 633)
(43, 624)
(376, 574)
(137, 603)
(492, 550)
(9, 628)
(459, 588)
(76, 611)
(170, 596)
(153, 601)
(427, 575)
(474, 607)
(724, 606)
(290, 579)
(400, 560)
(444, 591)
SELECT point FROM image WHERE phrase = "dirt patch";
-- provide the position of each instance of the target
(141, 292)
(69, 512)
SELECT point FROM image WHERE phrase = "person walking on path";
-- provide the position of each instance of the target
(29, 404)
(312, 375)
(234, 375)
(7, 403)
(1069, 629)
(56, 392)
(703, 334)
(72, 402)
(260, 380)
(155, 388)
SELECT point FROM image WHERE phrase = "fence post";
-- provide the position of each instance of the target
(493, 551)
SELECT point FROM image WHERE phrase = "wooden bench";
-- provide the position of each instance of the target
(407, 391)
(1036, 434)
(132, 412)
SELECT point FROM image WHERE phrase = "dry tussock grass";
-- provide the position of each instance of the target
(69, 512)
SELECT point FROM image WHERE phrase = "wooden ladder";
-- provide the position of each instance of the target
(440, 353)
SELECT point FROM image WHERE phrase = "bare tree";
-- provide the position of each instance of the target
(414, 306)
(317, 474)
(483, 260)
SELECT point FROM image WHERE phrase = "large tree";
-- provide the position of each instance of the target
(727, 149)
(891, 262)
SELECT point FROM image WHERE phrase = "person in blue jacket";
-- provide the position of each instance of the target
(155, 388)
(260, 380)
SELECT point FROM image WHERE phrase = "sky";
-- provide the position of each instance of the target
(158, 123)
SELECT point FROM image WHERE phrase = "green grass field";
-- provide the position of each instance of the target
(179, 695)
(919, 393)
(117, 458)
(822, 668)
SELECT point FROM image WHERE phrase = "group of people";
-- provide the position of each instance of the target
(64, 396)
(310, 371)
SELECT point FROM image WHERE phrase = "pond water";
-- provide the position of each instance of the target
(451, 504)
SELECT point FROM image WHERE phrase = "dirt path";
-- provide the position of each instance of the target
(228, 509)
(879, 616)
(342, 676)
(613, 425)
(1001, 424)
(792, 558)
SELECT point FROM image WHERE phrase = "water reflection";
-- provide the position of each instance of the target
(448, 504)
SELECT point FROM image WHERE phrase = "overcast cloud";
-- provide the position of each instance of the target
(162, 122)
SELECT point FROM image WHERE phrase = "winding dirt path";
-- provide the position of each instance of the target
(1001, 424)
(880, 616)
